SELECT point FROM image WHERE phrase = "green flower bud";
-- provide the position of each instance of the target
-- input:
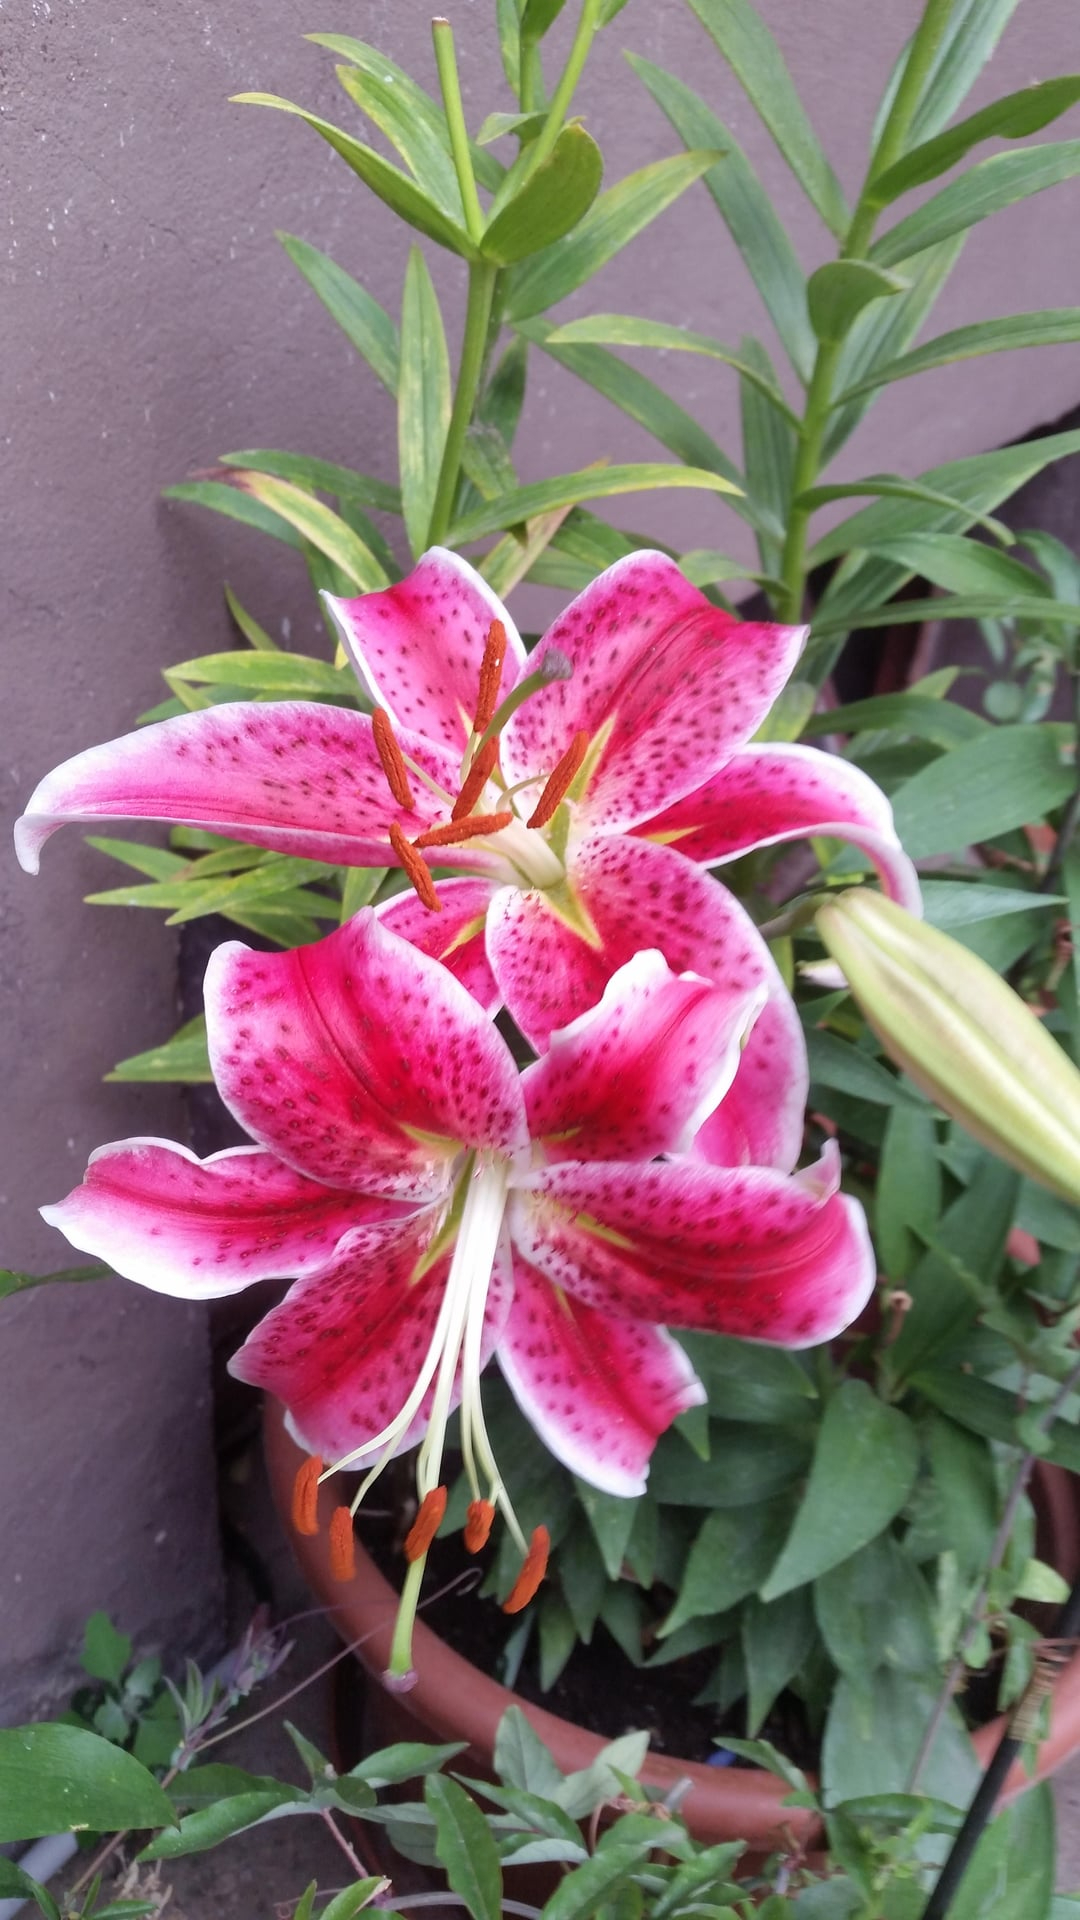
(963, 1036)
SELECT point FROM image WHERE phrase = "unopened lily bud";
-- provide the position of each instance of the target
(963, 1036)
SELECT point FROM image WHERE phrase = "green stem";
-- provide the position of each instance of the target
(473, 347)
(587, 28)
(400, 1662)
(819, 395)
(532, 78)
(443, 35)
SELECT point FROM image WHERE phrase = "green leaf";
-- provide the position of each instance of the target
(874, 1731)
(56, 1779)
(623, 330)
(863, 1469)
(963, 1259)
(838, 292)
(1052, 326)
(770, 444)
(747, 211)
(907, 1199)
(752, 53)
(351, 1900)
(235, 505)
(953, 905)
(414, 135)
(183, 1059)
(613, 220)
(993, 1412)
(316, 522)
(750, 1382)
(537, 16)
(391, 186)
(14, 1882)
(423, 399)
(325, 475)
(583, 1891)
(105, 1651)
(568, 489)
(277, 675)
(611, 1521)
(837, 1064)
(467, 1852)
(984, 189)
(1010, 118)
(903, 714)
(758, 1462)
(366, 325)
(1011, 1875)
(21, 1282)
(729, 1559)
(255, 635)
(882, 331)
(962, 566)
(405, 1760)
(892, 487)
(424, 112)
(208, 1826)
(521, 1758)
(1009, 777)
(776, 1639)
(554, 198)
(972, 32)
(557, 1634)
(957, 606)
(874, 1610)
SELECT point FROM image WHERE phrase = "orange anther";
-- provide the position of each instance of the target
(533, 1569)
(475, 780)
(478, 1522)
(305, 1499)
(342, 1545)
(559, 780)
(453, 831)
(416, 869)
(426, 1525)
(491, 667)
(390, 757)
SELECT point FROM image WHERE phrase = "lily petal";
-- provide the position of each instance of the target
(203, 1228)
(745, 1251)
(637, 1074)
(359, 1060)
(761, 1119)
(455, 936)
(292, 775)
(766, 795)
(675, 683)
(345, 1347)
(599, 1390)
(636, 896)
(418, 646)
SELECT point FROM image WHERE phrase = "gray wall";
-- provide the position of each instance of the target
(153, 322)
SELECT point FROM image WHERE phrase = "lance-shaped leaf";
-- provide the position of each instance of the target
(392, 186)
(882, 331)
(360, 317)
(748, 212)
(613, 220)
(963, 566)
(893, 486)
(305, 471)
(553, 200)
(318, 523)
(840, 290)
(984, 189)
(1011, 118)
(182, 1059)
(1053, 326)
(623, 330)
(427, 157)
(592, 483)
(971, 34)
(423, 399)
(423, 111)
(235, 504)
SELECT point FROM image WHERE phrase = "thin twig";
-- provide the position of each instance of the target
(358, 1866)
(994, 1559)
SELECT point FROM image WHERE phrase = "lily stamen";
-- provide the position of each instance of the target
(343, 1545)
(452, 832)
(426, 1525)
(559, 781)
(491, 668)
(415, 868)
(305, 1500)
(391, 759)
(483, 765)
(532, 1572)
(479, 1520)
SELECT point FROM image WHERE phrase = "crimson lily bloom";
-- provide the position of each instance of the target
(582, 812)
(436, 1205)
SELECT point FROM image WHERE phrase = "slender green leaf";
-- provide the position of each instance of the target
(351, 1901)
(512, 559)
(423, 399)
(749, 48)
(405, 1760)
(1007, 778)
(105, 1650)
(1010, 118)
(984, 189)
(847, 1069)
(56, 1779)
(622, 330)
(208, 1826)
(966, 1255)
(907, 1200)
(904, 714)
(183, 1059)
(874, 1731)
(704, 567)
(612, 221)
(729, 1559)
(955, 607)
(467, 1851)
(391, 186)
(425, 112)
(994, 1412)
(889, 486)
(521, 1758)
(769, 447)
(411, 132)
(21, 1282)
(882, 331)
(776, 1638)
(838, 292)
(1053, 326)
(750, 1382)
(305, 471)
(552, 202)
(973, 30)
(863, 1469)
(1011, 1873)
(962, 566)
(582, 1893)
(955, 904)
(16, 1884)
(317, 523)
(746, 209)
(593, 483)
(365, 324)
(537, 16)
(758, 1462)
(255, 635)
(874, 1610)
(235, 505)
(279, 675)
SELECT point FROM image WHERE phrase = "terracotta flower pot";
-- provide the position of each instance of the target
(454, 1700)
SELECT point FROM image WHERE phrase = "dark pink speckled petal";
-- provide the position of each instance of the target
(455, 936)
(760, 1121)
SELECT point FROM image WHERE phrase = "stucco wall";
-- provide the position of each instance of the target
(152, 322)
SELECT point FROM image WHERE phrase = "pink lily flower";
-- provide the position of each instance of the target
(435, 1205)
(582, 810)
